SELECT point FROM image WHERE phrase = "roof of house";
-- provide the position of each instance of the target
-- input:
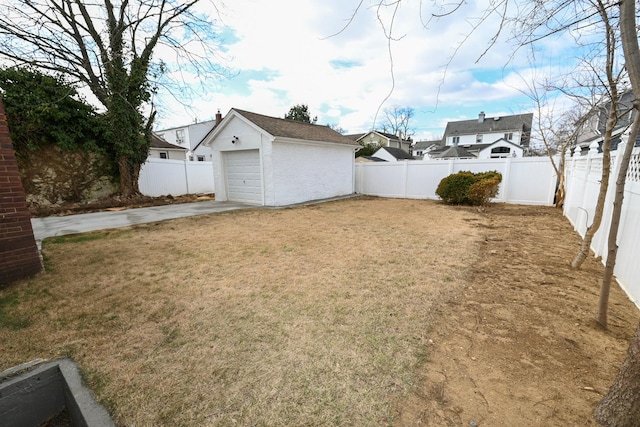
(369, 159)
(421, 145)
(355, 136)
(490, 124)
(294, 129)
(453, 152)
(158, 142)
(398, 153)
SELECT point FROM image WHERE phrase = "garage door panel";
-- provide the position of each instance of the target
(243, 176)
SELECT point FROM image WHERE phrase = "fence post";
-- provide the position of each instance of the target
(505, 180)
(186, 175)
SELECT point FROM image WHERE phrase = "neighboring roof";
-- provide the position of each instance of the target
(422, 145)
(453, 152)
(490, 124)
(388, 136)
(296, 130)
(398, 153)
(371, 158)
(480, 147)
(158, 142)
(355, 136)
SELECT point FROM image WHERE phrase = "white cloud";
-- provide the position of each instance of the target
(288, 40)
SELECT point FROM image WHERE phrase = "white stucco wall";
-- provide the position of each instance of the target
(292, 171)
(304, 172)
(249, 138)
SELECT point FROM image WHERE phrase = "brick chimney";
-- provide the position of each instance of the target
(481, 117)
(218, 118)
(19, 257)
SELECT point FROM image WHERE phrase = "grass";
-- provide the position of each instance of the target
(316, 315)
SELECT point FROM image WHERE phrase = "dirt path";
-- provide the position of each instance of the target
(520, 346)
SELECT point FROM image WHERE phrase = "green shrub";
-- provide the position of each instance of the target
(468, 188)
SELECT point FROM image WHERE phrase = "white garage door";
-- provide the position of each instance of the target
(244, 180)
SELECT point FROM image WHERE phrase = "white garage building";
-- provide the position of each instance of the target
(269, 161)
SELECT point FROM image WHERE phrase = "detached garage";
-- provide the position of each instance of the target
(269, 161)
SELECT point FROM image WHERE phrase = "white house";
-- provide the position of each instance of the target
(421, 149)
(270, 161)
(161, 149)
(382, 139)
(514, 129)
(191, 137)
(391, 154)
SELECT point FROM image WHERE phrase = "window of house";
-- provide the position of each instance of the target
(479, 138)
(500, 152)
(164, 155)
(180, 136)
(201, 158)
(456, 140)
(508, 136)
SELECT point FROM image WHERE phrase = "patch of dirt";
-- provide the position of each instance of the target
(364, 311)
(115, 203)
(520, 345)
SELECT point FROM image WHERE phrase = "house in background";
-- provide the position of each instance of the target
(161, 149)
(392, 154)
(190, 137)
(490, 137)
(382, 139)
(270, 161)
(420, 149)
(593, 128)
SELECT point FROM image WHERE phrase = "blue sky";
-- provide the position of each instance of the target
(287, 52)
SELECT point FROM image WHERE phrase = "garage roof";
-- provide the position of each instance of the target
(296, 130)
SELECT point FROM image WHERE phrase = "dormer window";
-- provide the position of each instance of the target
(180, 136)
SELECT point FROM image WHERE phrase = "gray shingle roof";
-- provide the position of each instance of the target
(158, 142)
(399, 153)
(294, 129)
(517, 122)
(454, 152)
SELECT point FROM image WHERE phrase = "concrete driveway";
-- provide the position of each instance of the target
(72, 224)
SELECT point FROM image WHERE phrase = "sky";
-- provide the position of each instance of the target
(338, 61)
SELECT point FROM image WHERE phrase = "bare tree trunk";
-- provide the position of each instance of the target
(602, 193)
(128, 177)
(620, 407)
(629, 36)
(612, 119)
(612, 244)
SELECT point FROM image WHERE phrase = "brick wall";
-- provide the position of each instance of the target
(19, 257)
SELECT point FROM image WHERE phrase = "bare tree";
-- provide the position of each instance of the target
(620, 407)
(398, 121)
(537, 20)
(109, 47)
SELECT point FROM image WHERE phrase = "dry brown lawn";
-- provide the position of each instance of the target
(356, 312)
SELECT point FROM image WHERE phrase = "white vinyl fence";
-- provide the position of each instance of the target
(525, 180)
(161, 177)
(583, 174)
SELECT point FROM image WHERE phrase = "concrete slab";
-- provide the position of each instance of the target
(82, 223)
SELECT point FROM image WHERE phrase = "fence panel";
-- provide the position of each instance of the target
(525, 180)
(161, 177)
(583, 176)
